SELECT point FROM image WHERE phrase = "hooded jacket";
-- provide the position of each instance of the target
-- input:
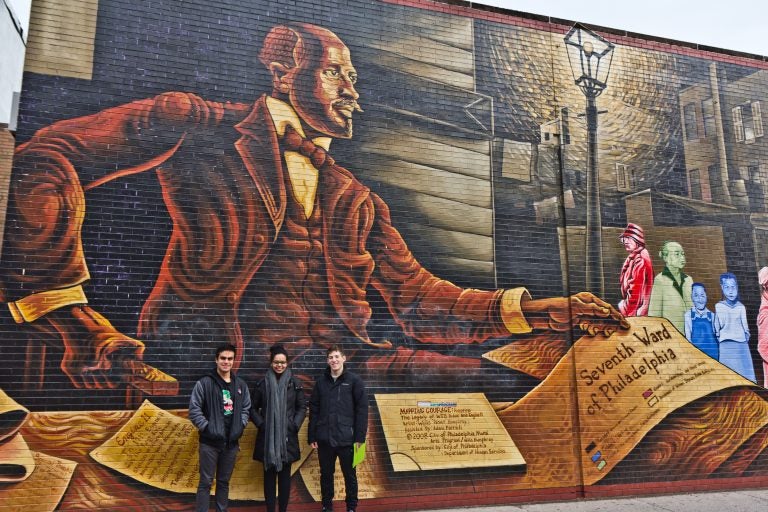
(206, 411)
(338, 410)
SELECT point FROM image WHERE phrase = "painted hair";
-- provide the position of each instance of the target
(727, 275)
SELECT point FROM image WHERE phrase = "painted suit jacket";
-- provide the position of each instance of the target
(222, 177)
(669, 300)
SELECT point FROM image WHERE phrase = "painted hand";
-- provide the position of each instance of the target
(583, 310)
(95, 353)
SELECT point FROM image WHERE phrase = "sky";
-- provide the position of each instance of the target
(733, 25)
(20, 10)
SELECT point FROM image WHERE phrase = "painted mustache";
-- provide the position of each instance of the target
(347, 102)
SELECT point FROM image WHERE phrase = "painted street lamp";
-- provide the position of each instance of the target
(590, 58)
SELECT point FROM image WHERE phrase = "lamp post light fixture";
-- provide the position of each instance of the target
(590, 58)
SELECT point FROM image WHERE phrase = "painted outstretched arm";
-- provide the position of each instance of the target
(437, 311)
(126, 139)
(430, 309)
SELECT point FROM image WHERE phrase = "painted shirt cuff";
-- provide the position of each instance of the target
(32, 307)
(511, 313)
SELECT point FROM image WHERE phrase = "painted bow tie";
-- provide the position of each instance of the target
(319, 157)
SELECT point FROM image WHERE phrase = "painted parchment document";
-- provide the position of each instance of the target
(625, 385)
(160, 449)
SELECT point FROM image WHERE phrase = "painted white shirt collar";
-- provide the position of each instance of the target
(303, 175)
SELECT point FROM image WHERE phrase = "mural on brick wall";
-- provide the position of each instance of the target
(414, 186)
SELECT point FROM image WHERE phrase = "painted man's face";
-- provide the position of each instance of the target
(675, 257)
(699, 297)
(323, 92)
(730, 289)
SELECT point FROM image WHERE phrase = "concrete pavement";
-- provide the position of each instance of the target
(749, 500)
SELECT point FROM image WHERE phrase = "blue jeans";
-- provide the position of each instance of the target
(218, 461)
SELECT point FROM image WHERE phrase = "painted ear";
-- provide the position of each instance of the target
(280, 80)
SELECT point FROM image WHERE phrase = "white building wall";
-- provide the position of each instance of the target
(14, 26)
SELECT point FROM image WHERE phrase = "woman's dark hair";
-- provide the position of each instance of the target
(277, 349)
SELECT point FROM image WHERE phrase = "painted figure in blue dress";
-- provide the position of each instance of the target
(699, 323)
(732, 330)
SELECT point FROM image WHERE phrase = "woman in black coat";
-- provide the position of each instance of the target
(278, 409)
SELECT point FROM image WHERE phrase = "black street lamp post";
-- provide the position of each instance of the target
(590, 58)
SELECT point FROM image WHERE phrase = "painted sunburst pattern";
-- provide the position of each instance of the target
(528, 74)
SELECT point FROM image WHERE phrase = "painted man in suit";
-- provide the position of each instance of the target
(671, 295)
(264, 220)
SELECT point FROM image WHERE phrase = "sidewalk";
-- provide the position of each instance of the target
(733, 501)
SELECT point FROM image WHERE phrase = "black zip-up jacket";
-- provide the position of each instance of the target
(206, 410)
(338, 411)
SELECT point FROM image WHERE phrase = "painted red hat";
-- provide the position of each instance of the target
(635, 232)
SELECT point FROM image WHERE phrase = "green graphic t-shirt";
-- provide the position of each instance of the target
(228, 405)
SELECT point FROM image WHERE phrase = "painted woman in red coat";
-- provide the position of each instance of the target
(636, 277)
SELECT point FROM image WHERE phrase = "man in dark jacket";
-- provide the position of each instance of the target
(219, 407)
(338, 422)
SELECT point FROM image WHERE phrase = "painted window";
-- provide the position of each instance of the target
(694, 175)
(738, 124)
(708, 115)
(689, 122)
(757, 119)
(747, 122)
(625, 180)
(716, 184)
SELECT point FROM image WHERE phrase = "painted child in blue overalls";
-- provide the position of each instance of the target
(699, 323)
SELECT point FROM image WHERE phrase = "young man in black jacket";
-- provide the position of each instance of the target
(219, 407)
(338, 421)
